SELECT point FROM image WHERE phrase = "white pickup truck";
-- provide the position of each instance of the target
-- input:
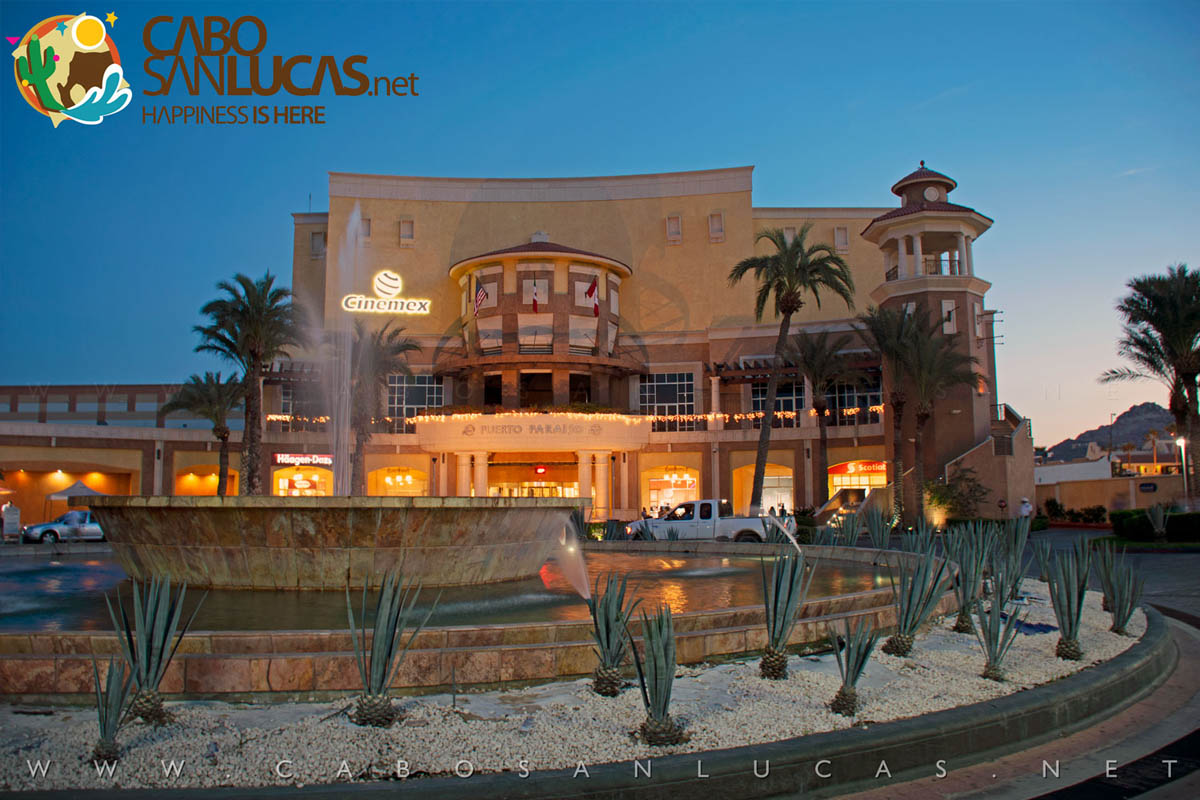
(701, 519)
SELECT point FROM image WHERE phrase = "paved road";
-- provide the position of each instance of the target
(1172, 579)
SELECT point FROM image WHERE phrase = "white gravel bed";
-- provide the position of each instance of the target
(555, 726)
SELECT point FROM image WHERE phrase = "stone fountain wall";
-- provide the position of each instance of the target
(327, 543)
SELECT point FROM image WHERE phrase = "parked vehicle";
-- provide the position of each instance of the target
(701, 519)
(73, 526)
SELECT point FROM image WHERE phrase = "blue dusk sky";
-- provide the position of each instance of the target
(1073, 125)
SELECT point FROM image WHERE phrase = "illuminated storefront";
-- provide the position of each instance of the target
(302, 475)
(857, 475)
(669, 486)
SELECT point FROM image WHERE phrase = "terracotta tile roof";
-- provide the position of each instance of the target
(924, 175)
(924, 205)
(543, 247)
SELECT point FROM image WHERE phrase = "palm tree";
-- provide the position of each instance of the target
(935, 366)
(212, 399)
(253, 325)
(1161, 338)
(821, 362)
(795, 269)
(888, 331)
(1153, 437)
(374, 356)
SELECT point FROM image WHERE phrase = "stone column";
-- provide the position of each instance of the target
(443, 475)
(963, 264)
(462, 486)
(918, 256)
(623, 477)
(715, 467)
(901, 257)
(561, 380)
(585, 474)
(970, 242)
(715, 387)
(481, 484)
(601, 388)
(603, 470)
(510, 387)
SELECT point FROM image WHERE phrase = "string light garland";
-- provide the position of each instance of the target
(625, 419)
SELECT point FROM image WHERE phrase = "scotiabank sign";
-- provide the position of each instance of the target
(859, 468)
(302, 460)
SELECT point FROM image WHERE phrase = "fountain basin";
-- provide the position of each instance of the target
(331, 542)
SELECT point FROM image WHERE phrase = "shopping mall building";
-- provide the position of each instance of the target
(528, 295)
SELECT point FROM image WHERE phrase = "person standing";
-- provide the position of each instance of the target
(1026, 509)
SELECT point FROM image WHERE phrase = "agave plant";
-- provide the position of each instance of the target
(857, 644)
(847, 527)
(969, 546)
(782, 600)
(377, 666)
(110, 709)
(671, 534)
(1041, 553)
(997, 627)
(1122, 586)
(825, 536)
(610, 620)
(879, 527)
(1158, 516)
(919, 539)
(656, 678)
(918, 594)
(578, 523)
(1068, 586)
(147, 642)
(614, 531)
(1010, 549)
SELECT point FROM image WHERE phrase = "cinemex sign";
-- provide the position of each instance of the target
(387, 285)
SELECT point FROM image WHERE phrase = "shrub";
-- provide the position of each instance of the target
(1135, 526)
(1094, 514)
(1054, 509)
(1039, 523)
(959, 496)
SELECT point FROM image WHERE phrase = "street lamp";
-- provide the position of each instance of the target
(1182, 444)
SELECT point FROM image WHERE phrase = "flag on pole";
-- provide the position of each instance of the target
(591, 292)
(480, 295)
(535, 296)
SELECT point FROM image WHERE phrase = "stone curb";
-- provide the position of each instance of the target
(911, 747)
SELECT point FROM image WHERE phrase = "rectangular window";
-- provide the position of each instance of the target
(949, 317)
(979, 320)
(669, 394)
(841, 239)
(614, 301)
(674, 229)
(408, 395)
(579, 386)
(706, 510)
(408, 231)
(789, 397)
(365, 227)
(716, 226)
(490, 331)
(852, 404)
(583, 335)
(789, 234)
(316, 244)
(612, 337)
(543, 292)
(535, 333)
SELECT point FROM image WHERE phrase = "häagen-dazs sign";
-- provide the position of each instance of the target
(521, 432)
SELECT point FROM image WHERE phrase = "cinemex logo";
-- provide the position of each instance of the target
(67, 67)
(387, 285)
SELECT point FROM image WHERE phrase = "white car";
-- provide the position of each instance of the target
(73, 526)
(701, 519)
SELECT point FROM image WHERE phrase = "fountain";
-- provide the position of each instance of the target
(329, 542)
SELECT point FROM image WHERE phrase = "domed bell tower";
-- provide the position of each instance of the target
(928, 263)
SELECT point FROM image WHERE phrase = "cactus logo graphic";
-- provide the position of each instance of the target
(67, 67)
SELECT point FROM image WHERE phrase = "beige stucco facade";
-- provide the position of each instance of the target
(609, 295)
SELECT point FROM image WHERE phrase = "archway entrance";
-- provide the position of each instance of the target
(777, 487)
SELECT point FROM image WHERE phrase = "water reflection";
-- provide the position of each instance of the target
(68, 594)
